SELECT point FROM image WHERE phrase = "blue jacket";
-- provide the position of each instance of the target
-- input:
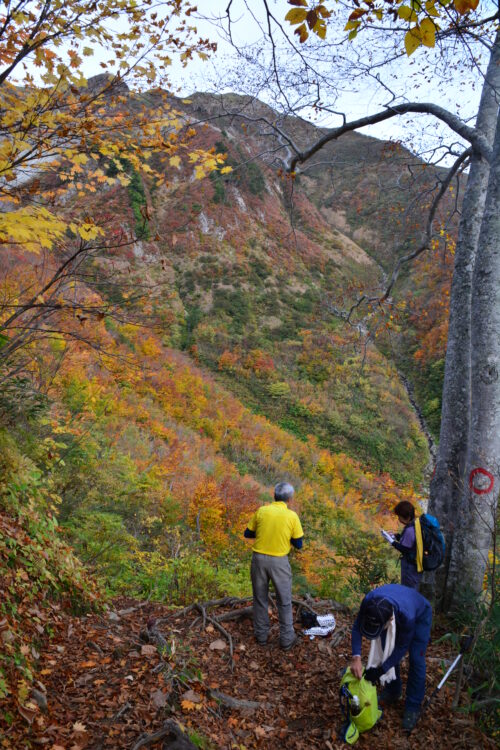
(409, 608)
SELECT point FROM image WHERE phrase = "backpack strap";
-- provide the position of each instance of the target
(345, 706)
(420, 545)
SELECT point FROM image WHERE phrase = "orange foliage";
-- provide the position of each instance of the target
(228, 360)
(429, 313)
(259, 362)
(207, 514)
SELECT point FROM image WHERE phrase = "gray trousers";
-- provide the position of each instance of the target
(267, 568)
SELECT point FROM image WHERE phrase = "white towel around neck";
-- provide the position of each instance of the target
(377, 656)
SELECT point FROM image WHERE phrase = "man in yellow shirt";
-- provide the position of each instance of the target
(274, 528)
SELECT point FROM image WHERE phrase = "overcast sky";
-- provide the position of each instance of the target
(414, 79)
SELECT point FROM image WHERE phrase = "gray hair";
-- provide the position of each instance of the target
(283, 491)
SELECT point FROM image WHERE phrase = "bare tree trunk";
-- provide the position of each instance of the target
(474, 535)
(448, 484)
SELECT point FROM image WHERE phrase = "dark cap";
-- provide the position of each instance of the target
(373, 615)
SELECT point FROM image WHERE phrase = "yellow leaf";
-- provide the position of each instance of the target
(430, 9)
(296, 15)
(412, 40)
(225, 170)
(352, 25)
(175, 161)
(323, 12)
(124, 179)
(428, 32)
(464, 6)
(319, 28)
(31, 227)
(89, 231)
(406, 13)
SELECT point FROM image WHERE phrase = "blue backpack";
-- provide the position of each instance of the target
(433, 541)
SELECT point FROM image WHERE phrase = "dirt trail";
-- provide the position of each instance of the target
(107, 686)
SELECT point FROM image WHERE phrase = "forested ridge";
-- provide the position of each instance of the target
(174, 342)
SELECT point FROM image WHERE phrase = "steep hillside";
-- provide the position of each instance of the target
(186, 360)
(147, 438)
(371, 190)
(377, 194)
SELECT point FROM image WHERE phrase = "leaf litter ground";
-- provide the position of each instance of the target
(108, 683)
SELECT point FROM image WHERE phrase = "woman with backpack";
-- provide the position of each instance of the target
(406, 544)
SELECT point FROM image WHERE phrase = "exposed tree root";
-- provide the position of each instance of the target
(176, 739)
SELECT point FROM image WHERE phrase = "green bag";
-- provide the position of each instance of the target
(369, 712)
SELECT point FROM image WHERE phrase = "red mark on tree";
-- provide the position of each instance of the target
(483, 473)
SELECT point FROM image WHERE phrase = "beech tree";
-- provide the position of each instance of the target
(465, 485)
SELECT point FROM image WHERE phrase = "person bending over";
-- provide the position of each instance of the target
(397, 620)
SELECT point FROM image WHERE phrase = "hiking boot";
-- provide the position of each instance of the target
(260, 642)
(410, 719)
(290, 645)
(388, 697)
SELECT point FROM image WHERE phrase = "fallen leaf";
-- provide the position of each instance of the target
(190, 695)
(87, 664)
(218, 645)
(79, 727)
(159, 699)
(28, 712)
(149, 650)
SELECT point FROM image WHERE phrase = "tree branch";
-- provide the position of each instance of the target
(478, 142)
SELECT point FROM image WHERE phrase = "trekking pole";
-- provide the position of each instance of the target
(465, 647)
